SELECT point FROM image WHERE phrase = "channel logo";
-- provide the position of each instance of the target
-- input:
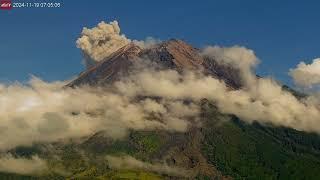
(5, 4)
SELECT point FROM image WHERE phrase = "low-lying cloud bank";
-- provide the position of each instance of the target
(261, 100)
(48, 112)
(306, 75)
(128, 162)
(24, 166)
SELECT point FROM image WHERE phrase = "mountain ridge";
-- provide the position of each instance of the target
(172, 54)
(223, 147)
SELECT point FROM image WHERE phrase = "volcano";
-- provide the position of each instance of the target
(233, 149)
(223, 147)
(172, 54)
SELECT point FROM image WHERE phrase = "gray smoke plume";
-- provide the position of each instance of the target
(101, 41)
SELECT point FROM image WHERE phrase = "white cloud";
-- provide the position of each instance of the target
(306, 75)
(237, 57)
(31, 166)
(128, 162)
(147, 43)
(261, 100)
(48, 112)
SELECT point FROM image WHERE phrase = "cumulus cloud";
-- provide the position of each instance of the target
(25, 166)
(48, 112)
(128, 162)
(306, 75)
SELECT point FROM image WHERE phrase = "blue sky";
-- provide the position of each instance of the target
(42, 41)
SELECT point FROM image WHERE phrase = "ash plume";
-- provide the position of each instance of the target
(101, 41)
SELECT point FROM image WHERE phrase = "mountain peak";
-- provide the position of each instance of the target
(171, 54)
(175, 53)
(107, 70)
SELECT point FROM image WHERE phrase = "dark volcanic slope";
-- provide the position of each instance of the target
(173, 54)
(109, 69)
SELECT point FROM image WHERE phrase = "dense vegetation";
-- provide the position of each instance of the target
(87, 160)
(246, 151)
(236, 149)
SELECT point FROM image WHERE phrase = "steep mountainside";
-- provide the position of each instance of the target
(109, 69)
(224, 147)
(174, 54)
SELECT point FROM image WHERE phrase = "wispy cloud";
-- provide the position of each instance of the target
(128, 162)
(31, 166)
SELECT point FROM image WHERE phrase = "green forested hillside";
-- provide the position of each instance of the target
(253, 151)
(224, 147)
